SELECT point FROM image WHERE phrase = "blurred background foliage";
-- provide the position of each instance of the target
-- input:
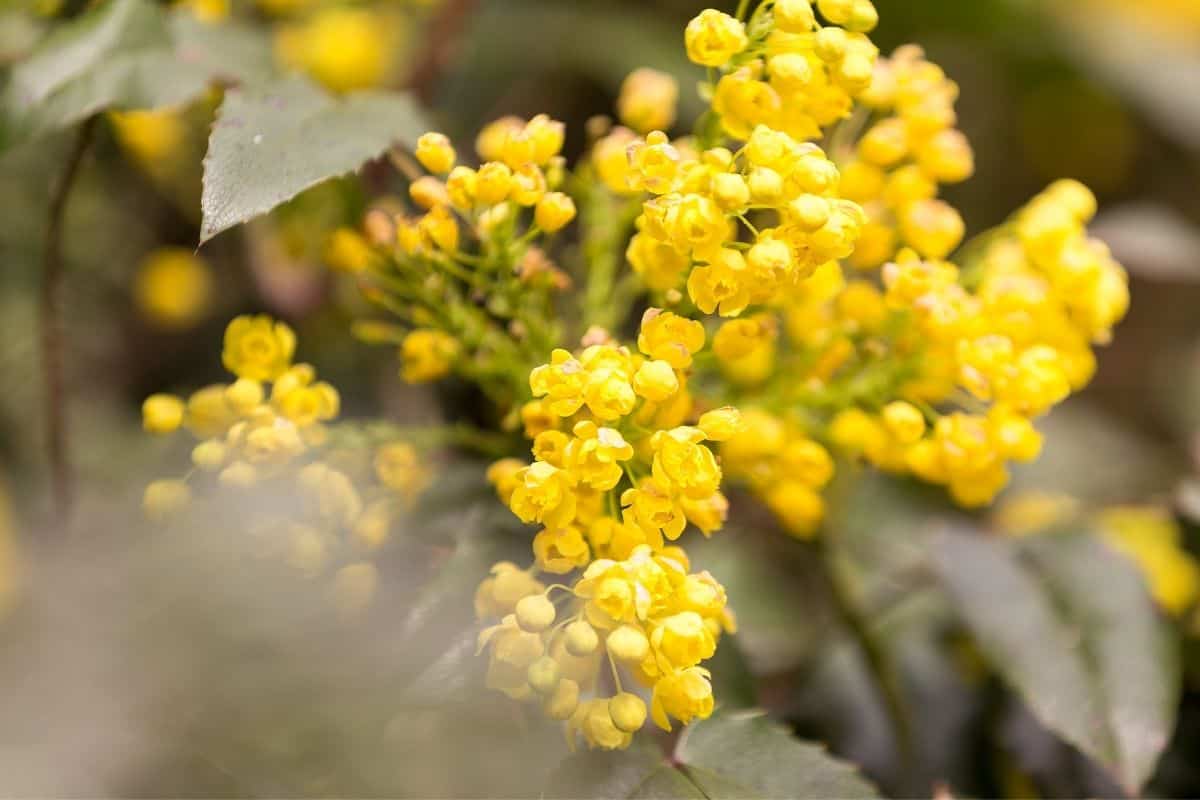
(139, 664)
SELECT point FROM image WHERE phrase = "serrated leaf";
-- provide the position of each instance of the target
(124, 54)
(270, 143)
(731, 755)
(1070, 626)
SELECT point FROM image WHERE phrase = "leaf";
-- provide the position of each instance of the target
(1070, 626)
(731, 755)
(270, 143)
(124, 54)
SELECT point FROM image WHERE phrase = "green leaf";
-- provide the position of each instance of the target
(732, 755)
(1070, 626)
(124, 54)
(270, 143)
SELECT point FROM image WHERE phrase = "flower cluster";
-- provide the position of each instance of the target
(270, 427)
(608, 432)
(899, 162)
(465, 275)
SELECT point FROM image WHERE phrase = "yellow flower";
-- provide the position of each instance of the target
(683, 639)
(685, 695)
(593, 457)
(162, 499)
(399, 467)
(348, 251)
(498, 594)
(647, 100)
(721, 424)
(651, 506)
(669, 337)
(684, 464)
(343, 48)
(656, 381)
(1150, 537)
(712, 38)
(544, 494)
(173, 288)
(435, 153)
(723, 285)
(162, 413)
(428, 355)
(560, 550)
(258, 348)
(561, 382)
(554, 211)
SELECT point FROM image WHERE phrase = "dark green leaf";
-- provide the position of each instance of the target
(124, 54)
(270, 143)
(732, 755)
(1070, 626)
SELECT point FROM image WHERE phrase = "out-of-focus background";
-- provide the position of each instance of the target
(130, 665)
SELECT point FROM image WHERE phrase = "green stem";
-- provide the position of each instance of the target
(50, 323)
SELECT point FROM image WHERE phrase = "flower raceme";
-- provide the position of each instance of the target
(271, 427)
(800, 232)
(616, 478)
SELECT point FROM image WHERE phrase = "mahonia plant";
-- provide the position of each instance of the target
(799, 232)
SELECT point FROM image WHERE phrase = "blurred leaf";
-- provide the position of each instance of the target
(765, 588)
(1114, 47)
(123, 54)
(1155, 242)
(1070, 626)
(731, 755)
(270, 143)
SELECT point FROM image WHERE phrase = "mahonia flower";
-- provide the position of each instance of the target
(627, 478)
(173, 288)
(250, 434)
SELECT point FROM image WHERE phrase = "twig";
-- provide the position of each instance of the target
(441, 41)
(50, 324)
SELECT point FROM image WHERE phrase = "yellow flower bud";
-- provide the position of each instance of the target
(543, 675)
(554, 211)
(794, 16)
(713, 37)
(721, 424)
(244, 395)
(863, 17)
(647, 100)
(461, 186)
(164, 498)
(904, 421)
(837, 12)
(933, 228)
(209, 455)
(435, 153)
(628, 712)
(535, 613)
(173, 288)
(162, 413)
(655, 381)
(730, 190)
(628, 643)
(428, 192)
(492, 183)
(581, 638)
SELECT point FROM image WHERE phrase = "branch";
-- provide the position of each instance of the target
(50, 323)
(441, 43)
